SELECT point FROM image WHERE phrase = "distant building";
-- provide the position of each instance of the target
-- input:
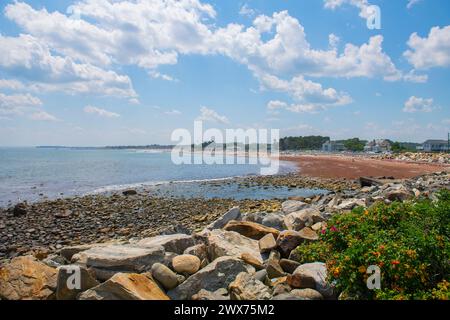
(435, 146)
(333, 146)
(378, 146)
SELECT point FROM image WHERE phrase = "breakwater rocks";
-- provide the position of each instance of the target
(238, 256)
(438, 158)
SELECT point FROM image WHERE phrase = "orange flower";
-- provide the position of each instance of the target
(362, 269)
(395, 262)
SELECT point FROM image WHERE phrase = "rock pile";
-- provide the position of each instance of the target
(240, 256)
(440, 158)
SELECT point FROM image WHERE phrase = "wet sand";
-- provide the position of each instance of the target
(353, 167)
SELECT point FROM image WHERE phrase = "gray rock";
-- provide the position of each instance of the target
(286, 296)
(304, 218)
(233, 214)
(218, 274)
(292, 206)
(117, 258)
(272, 220)
(69, 286)
(246, 287)
(205, 295)
(308, 294)
(172, 243)
(318, 272)
(267, 243)
(166, 277)
(289, 266)
(199, 250)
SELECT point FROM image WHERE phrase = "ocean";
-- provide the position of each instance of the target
(34, 174)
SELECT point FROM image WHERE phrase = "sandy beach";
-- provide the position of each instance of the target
(353, 167)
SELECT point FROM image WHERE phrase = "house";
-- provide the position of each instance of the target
(333, 146)
(378, 146)
(435, 146)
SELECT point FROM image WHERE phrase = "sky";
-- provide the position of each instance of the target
(115, 72)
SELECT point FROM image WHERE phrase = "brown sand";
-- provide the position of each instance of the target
(333, 166)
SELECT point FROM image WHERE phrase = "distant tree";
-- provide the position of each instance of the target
(354, 144)
(303, 143)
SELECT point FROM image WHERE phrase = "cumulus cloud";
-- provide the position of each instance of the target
(43, 116)
(17, 104)
(101, 112)
(246, 11)
(431, 51)
(362, 5)
(415, 104)
(11, 84)
(211, 116)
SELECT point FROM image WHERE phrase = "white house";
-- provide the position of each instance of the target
(378, 146)
(435, 146)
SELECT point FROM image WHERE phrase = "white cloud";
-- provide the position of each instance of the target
(157, 75)
(417, 78)
(43, 116)
(415, 104)
(247, 11)
(212, 116)
(432, 51)
(276, 104)
(412, 3)
(333, 40)
(17, 104)
(11, 84)
(173, 113)
(362, 5)
(33, 60)
(101, 112)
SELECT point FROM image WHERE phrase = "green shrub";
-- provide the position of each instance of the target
(408, 241)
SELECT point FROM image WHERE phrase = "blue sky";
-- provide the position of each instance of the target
(110, 72)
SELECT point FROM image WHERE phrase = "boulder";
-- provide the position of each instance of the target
(318, 272)
(199, 250)
(186, 264)
(129, 192)
(289, 266)
(308, 234)
(218, 274)
(116, 258)
(351, 203)
(26, 278)
(20, 209)
(307, 294)
(72, 280)
(172, 243)
(250, 229)
(287, 296)
(166, 277)
(301, 280)
(292, 206)
(267, 243)
(271, 220)
(246, 287)
(304, 218)
(228, 243)
(398, 194)
(251, 260)
(69, 252)
(233, 214)
(125, 286)
(205, 295)
(288, 240)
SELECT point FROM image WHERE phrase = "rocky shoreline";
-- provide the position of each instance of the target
(123, 251)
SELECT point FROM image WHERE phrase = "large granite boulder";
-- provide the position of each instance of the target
(317, 272)
(172, 243)
(228, 243)
(250, 229)
(271, 220)
(304, 218)
(26, 278)
(218, 274)
(125, 286)
(292, 206)
(233, 214)
(246, 287)
(72, 280)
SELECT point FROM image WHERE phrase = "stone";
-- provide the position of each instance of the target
(125, 286)
(267, 243)
(351, 204)
(55, 261)
(308, 294)
(304, 218)
(205, 295)
(246, 287)
(69, 252)
(318, 226)
(308, 234)
(228, 243)
(272, 220)
(64, 214)
(176, 229)
(250, 230)
(129, 192)
(288, 240)
(26, 278)
(261, 275)
(186, 264)
(166, 277)
(301, 280)
(172, 243)
(199, 250)
(318, 272)
(218, 274)
(292, 206)
(68, 286)
(289, 266)
(286, 296)
(120, 258)
(281, 288)
(20, 209)
(274, 269)
(401, 194)
(233, 214)
(252, 260)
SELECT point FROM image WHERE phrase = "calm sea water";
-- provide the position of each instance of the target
(32, 174)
